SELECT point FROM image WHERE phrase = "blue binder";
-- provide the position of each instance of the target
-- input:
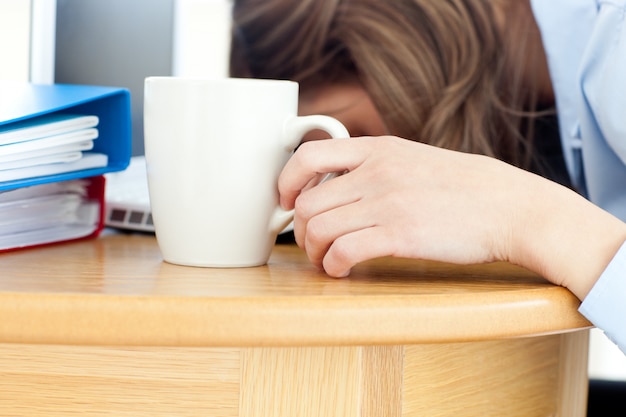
(24, 101)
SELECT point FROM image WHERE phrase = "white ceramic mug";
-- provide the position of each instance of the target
(214, 150)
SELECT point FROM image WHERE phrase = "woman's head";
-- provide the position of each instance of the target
(434, 69)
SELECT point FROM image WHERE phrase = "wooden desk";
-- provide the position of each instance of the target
(104, 327)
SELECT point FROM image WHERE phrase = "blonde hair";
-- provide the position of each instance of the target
(436, 69)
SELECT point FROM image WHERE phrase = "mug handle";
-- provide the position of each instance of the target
(294, 130)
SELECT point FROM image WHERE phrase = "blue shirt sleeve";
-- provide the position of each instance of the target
(605, 305)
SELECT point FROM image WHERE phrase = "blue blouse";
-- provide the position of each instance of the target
(585, 43)
(605, 305)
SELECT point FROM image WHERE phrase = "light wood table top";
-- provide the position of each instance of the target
(105, 327)
(116, 290)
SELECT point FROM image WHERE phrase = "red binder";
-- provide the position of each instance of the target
(57, 233)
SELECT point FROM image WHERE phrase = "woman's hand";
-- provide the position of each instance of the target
(397, 198)
(407, 199)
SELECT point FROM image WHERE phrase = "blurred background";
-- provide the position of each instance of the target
(113, 43)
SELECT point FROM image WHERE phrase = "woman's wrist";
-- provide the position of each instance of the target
(563, 236)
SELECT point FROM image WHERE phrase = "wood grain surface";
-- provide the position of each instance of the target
(116, 290)
(106, 328)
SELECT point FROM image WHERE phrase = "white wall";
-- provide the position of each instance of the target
(27, 33)
(14, 39)
(606, 361)
(201, 38)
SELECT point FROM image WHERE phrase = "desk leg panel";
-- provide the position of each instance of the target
(573, 375)
(526, 377)
(321, 381)
(50, 380)
(382, 373)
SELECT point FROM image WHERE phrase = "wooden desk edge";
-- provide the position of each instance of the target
(113, 320)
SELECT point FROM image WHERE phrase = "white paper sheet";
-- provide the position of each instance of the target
(46, 213)
(45, 126)
(89, 160)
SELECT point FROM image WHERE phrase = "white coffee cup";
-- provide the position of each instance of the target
(214, 150)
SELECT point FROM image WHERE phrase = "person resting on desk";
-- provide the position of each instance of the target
(469, 76)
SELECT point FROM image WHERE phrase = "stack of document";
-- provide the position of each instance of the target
(56, 143)
(47, 213)
(47, 145)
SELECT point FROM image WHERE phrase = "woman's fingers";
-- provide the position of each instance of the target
(317, 232)
(314, 159)
(356, 247)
